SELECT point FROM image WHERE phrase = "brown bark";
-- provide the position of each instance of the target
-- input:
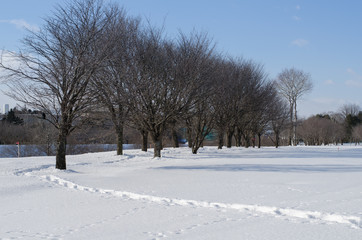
(229, 136)
(157, 140)
(144, 140)
(119, 140)
(174, 134)
(61, 150)
(238, 136)
(221, 140)
(259, 140)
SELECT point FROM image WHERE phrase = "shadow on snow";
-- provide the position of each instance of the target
(269, 168)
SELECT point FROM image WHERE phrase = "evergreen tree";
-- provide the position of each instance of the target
(12, 118)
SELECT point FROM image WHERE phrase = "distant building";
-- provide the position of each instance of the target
(6, 109)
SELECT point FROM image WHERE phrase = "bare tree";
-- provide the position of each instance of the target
(164, 85)
(56, 67)
(197, 66)
(222, 99)
(109, 83)
(292, 84)
(278, 116)
(150, 85)
(264, 100)
(252, 101)
(241, 101)
(202, 123)
(349, 109)
(228, 106)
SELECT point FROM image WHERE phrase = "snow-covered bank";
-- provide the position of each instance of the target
(268, 193)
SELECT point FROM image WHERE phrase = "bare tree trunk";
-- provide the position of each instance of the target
(246, 140)
(221, 139)
(157, 149)
(291, 125)
(259, 140)
(61, 150)
(194, 150)
(198, 141)
(238, 137)
(295, 124)
(277, 139)
(196, 144)
(229, 136)
(174, 134)
(157, 140)
(144, 140)
(119, 140)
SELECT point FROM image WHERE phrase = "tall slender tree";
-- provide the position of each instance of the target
(292, 84)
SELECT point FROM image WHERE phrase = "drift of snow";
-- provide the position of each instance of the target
(238, 193)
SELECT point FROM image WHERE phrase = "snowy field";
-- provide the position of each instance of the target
(286, 193)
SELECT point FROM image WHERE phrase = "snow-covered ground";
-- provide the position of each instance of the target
(238, 193)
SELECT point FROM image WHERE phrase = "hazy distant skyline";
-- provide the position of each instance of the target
(318, 37)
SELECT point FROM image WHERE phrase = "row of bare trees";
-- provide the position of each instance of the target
(91, 56)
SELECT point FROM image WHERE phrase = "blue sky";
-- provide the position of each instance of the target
(320, 37)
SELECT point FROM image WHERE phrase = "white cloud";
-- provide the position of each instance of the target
(296, 18)
(22, 24)
(329, 82)
(300, 42)
(353, 83)
(351, 71)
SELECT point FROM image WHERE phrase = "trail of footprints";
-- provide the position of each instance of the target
(251, 210)
(311, 216)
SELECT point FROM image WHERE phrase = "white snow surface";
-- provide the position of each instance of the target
(268, 193)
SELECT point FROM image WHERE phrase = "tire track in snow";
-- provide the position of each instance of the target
(352, 221)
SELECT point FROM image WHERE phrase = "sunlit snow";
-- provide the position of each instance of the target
(286, 193)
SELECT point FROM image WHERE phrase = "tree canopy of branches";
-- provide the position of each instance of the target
(349, 109)
(292, 84)
(197, 68)
(109, 83)
(166, 78)
(57, 64)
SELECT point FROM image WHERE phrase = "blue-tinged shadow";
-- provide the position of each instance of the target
(269, 168)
